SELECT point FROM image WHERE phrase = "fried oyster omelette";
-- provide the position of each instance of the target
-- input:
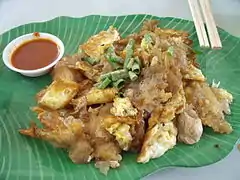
(143, 93)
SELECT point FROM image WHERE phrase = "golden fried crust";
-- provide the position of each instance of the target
(217, 124)
(61, 132)
(208, 106)
(30, 131)
(100, 96)
(58, 94)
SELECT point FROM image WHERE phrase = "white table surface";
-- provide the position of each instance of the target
(227, 14)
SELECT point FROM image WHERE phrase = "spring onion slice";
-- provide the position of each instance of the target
(103, 84)
(138, 61)
(119, 74)
(130, 64)
(147, 41)
(115, 75)
(129, 52)
(170, 51)
(119, 83)
(91, 61)
(136, 68)
(115, 66)
(148, 38)
(111, 56)
(132, 76)
(107, 75)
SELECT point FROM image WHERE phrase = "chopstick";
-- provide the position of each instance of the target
(212, 31)
(199, 24)
(211, 25)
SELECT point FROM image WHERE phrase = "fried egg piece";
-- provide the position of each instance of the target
(123, 107)
(122, 134)
(120, 127)
(97, 44)
(157, 141)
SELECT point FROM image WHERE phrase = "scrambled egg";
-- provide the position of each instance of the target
(123, 107)
(96, 45)
(122, 134)
(158, 140)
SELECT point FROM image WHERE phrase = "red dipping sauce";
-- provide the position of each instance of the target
(35, 54)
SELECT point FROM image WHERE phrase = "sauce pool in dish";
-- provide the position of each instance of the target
(35, 54)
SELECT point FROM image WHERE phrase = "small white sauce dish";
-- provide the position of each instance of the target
(14, 44)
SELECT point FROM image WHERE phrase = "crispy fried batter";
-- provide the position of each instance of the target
(70, 61)
(66, 73)
(81, 151)
(150, 92)
(105, 149)
(224, 98)
(89, 71)
(80, 107)
(208, 107)
(193, 73)
(168, 112)
(150, 25)
(60, 132)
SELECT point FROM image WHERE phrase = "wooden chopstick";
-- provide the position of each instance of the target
(199, 23)
(214, 38)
